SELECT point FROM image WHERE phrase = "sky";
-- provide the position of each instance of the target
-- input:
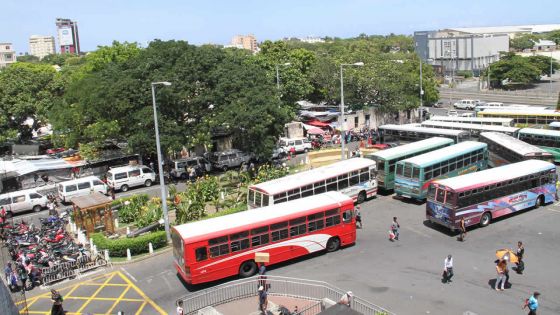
(100, 22)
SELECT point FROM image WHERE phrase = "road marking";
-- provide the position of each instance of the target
(120, 298)
(143, 295)
(129, 275)
(95, 293)
(101, 281)
(553, 210)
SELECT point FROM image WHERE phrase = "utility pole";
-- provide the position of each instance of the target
(421, 93)
(550, 76)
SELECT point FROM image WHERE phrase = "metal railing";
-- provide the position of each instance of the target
(279, 286)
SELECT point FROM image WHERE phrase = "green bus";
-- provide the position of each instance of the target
(546, 139)
(386, 160)
(414, 175)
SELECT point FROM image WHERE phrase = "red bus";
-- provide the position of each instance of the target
(225, 246)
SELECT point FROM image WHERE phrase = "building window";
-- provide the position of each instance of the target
(356, 122)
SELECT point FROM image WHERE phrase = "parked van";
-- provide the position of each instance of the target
(466, 104)
(299, 144)
(80, 187)
(179, 167)
(229, 159)
(124, 177)
(23, 200)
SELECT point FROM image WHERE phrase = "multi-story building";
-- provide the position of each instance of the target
(41, 46)
(470, 48)
(460, 51)
(7, 54)
(248, 42)
(68, 38)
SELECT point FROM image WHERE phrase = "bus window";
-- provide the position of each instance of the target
(331, 184)
(201, 254)
(332, 217)
(342, 181)
(297, 227)
(364, 175)
(319, 187)
(440, 195)
(265, 200)
(347, 216)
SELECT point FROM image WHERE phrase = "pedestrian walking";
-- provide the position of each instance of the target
(262, 276)
(57, 300)
(532, 303)
(395, 227)
(346, 299)
(180, 309)
(501, 268)
(447, 269)
(8, 271)
(519, 253)
(463, 229)
(358, 217)
(14, 281)
(263, 300)
(112, 189)
(23, 278)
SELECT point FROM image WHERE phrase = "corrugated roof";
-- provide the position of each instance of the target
(534, 131)
(22, 167)
(494, 175)
(93, 199)
(483, 120)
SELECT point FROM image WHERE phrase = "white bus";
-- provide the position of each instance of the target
(506, 149)
(354, 177)
(473, 129)
(411, 133)
(528, 116)
(505, 122)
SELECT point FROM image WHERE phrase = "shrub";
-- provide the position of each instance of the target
(137, 245)
(130, 207)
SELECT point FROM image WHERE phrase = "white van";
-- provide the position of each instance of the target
(299, 144)
(23, 200)
(124, 177)
(80, 187)
(466, 104)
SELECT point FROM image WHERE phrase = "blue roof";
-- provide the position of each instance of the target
(437, 156)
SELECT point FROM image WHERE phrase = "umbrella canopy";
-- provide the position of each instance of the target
(315, 131)
(507, 254)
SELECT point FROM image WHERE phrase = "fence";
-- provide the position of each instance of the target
(281, 286)
(70, 269)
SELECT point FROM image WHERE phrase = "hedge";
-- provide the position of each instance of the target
(137, 245)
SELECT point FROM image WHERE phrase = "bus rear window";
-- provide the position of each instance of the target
(380, 165)
(440, 195)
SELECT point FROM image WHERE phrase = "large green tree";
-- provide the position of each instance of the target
(524, 41)
(544, 64)
(513, 70)
(27, 90)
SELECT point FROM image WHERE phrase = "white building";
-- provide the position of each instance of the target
(7, 54)
(41, 46)
(511, 31)
(544, 45)
(312, 39)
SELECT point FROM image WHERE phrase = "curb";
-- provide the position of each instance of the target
(143, 257)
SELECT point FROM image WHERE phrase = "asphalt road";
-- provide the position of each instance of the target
(405, 276)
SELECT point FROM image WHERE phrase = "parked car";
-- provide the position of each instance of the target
(467, 115)
(200, 164)
(124, 177)
(23, 200)
(438, 104)
(55, 150)
(230, 159)
(383, 146)
(466, 104)
(299, 144)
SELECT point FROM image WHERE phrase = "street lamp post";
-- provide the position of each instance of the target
(160, 162)
(421, 93)
(342, 134)
(278, 73)
(550, 76)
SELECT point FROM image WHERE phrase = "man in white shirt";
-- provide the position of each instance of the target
(447, 269)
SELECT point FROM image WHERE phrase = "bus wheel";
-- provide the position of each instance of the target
(485, 220)
(540, 202)
(333, 244)
(361, 197)
(247, 269)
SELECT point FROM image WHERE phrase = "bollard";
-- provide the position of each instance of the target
(150, 248)
(116, 223)
(106, 254)
(128, 256)
(127, 230)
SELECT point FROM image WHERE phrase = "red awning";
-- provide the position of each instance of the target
(317, 123)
